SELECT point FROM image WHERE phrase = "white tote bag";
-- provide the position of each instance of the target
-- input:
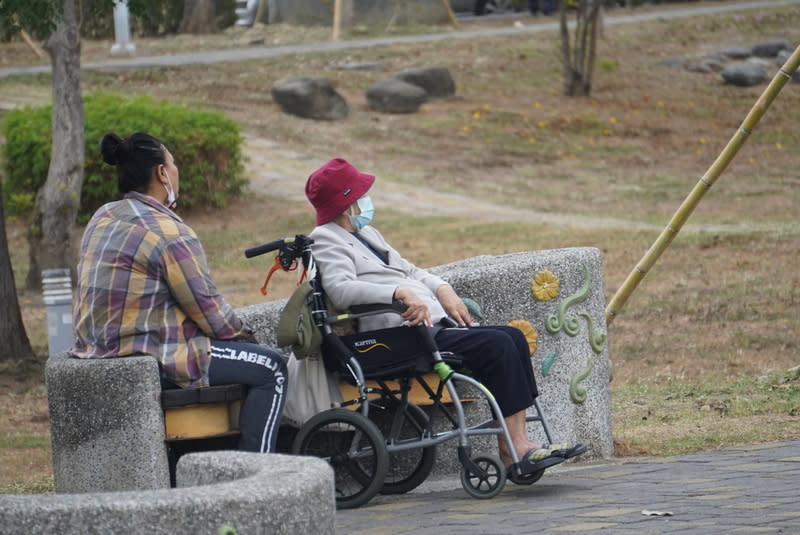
(312, 389)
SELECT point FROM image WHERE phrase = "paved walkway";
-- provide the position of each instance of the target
(274, 169)
(748, 490)
(619, 16)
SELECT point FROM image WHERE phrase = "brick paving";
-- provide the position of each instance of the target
(747, 490)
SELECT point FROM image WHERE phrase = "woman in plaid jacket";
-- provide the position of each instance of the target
(144, 287)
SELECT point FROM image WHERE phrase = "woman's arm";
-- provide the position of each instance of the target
(191, 285)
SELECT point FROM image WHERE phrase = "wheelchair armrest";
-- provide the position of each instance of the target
(373, 309)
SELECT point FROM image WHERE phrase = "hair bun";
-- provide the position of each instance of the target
(114, 149)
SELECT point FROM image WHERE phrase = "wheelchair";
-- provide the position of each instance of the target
(380, 441)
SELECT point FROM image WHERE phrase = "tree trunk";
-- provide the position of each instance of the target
(199, 16)
(52, 222)
(566, 49)
(14, 343)
(595, 26)
(578, 54)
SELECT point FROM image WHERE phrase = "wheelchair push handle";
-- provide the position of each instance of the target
(265, 248)
(290, 250)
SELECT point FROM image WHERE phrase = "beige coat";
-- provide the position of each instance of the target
(353, 275)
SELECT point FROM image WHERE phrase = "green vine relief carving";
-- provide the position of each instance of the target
(576, 390)
(597, 339)
(571, 326)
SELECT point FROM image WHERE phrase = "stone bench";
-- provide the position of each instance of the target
(107, 424)
(571, 357)
(114, 428)
(248, 492)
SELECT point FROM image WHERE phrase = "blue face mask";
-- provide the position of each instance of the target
(365, 217)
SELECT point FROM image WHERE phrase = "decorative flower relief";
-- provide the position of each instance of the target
(531, 336)
(545, 285)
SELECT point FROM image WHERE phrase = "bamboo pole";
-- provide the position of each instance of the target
(33, 46)
(337, 19)
(450, 14)
(705, 183)
(262, 13)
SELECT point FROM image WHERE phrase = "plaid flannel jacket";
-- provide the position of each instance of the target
(143, 287)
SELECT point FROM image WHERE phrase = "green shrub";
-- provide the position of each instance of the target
(147, 18)
(26, 157)
(205, 144)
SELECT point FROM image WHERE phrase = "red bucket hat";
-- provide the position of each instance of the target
(335, 186)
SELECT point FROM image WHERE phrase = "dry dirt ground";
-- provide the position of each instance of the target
(510, 164)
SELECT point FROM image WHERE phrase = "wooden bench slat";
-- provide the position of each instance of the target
(201, 420)
(181, 397)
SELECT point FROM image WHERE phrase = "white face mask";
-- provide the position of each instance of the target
(172, 200)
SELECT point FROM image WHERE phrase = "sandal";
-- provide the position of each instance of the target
(568, 451)
(534, 455)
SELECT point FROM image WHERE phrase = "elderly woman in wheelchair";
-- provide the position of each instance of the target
(355, 266)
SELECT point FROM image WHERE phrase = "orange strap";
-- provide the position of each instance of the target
(275, 267)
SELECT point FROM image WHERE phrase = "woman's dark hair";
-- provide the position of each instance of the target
(135, 157)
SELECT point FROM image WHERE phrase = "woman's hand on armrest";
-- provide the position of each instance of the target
(417, 311)
(453, 305)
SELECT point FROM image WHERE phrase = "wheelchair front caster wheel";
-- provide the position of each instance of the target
(485, 482)
(531, 473)
(526, 479)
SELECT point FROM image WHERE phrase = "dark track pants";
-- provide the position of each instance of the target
(499, 357)
(263, 370)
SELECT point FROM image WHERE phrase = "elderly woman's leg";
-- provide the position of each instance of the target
(497, 358)
(517, 428)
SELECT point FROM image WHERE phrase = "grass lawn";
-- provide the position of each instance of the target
(706, 351)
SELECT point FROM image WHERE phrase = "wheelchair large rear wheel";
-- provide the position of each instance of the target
(354, 448)
(403, 424)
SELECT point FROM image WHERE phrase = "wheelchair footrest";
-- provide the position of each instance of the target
(525, 468)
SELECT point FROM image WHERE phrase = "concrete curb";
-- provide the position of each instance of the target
(252, 493)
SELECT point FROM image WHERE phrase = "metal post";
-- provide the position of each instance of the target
(57, 294)
(122, 29)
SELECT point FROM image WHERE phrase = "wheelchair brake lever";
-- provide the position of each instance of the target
(448, 322)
